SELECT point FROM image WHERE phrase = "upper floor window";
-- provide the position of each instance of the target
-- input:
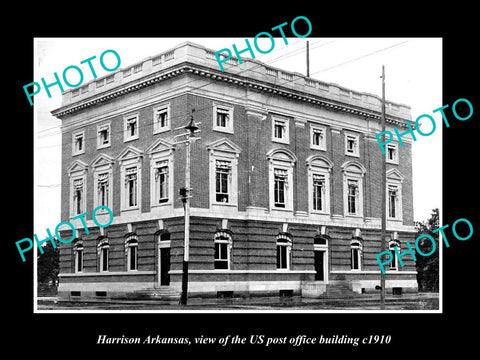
(131, 186)
(103, 180)
(222, 180)
(352, 144)
(161, 181)
(161, 118)
(280, 180)
(223, 173)
(78, 143)
(392, 153)
(223, 118)
(281, 164)
(78, 187)
(353, 173)
(161, 173)
(319, 168)
(318, 137)
(103, 136)
(280, 130)
(130, 127)
(352, 197)
(394, 195)
(130, 178)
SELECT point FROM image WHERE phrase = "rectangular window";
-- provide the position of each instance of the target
(221, 255)
(355, 258)
(131, 186)
(222, 175)
(104, 259)
(79, 260)
(78, 196)
(393, 264)
(103, 189)
(392, 201)
(131, 128)
(392, 153)
(103, 136)
(132, 258)
(280, 130)
(162, 183)
(223, 118)
(317, 137)
(279, 187)
(318, 190)
(78, 143)
(351, 145)
(352, 196)
(161, 119)
(282, 256)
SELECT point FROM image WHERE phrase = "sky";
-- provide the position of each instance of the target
(413, 69)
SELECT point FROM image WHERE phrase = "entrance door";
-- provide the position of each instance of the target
(319, 265)
(164, 266)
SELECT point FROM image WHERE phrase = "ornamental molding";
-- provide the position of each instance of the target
(257, 85)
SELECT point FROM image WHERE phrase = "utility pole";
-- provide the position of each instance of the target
(185, 196)
(384, 195)
(308, 60)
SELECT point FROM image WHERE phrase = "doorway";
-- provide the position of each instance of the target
(319, 265)
(163, 241)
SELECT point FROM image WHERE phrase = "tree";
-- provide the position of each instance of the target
(428, 266)
(47, 264)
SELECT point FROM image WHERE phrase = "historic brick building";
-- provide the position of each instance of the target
(285, 176)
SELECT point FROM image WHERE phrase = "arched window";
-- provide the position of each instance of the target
(281, 163)
(78, 254)
(131, 251)
(284, 247)
(356, 254)
(102, 250)
(353, 173)
(223, 245)
(391, 247)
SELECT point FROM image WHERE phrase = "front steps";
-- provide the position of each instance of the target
(339, 291)
(158, 293)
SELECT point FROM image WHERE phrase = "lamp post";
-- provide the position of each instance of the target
(185, 197)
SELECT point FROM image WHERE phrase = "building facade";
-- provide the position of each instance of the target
(285, 178)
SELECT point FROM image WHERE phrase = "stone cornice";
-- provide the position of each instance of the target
(238, 80)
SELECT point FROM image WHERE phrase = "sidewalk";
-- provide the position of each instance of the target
(420, 301)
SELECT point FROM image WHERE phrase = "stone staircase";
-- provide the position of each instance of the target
(339, 291)
(159, 293)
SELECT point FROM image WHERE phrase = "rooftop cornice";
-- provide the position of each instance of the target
(226, 77)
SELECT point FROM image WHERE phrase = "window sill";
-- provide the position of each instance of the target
(223, 130)
(78, 153)
(224, 204)
(130, 139)
(281, 141)
(161, 130)
(103, 146)
(322, 148)
(352, 155)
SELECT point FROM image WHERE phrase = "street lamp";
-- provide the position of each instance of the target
(185, 197)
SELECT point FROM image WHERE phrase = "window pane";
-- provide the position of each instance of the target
(104, 259)
(133, 257)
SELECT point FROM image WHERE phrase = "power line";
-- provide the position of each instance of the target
(283, 56)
